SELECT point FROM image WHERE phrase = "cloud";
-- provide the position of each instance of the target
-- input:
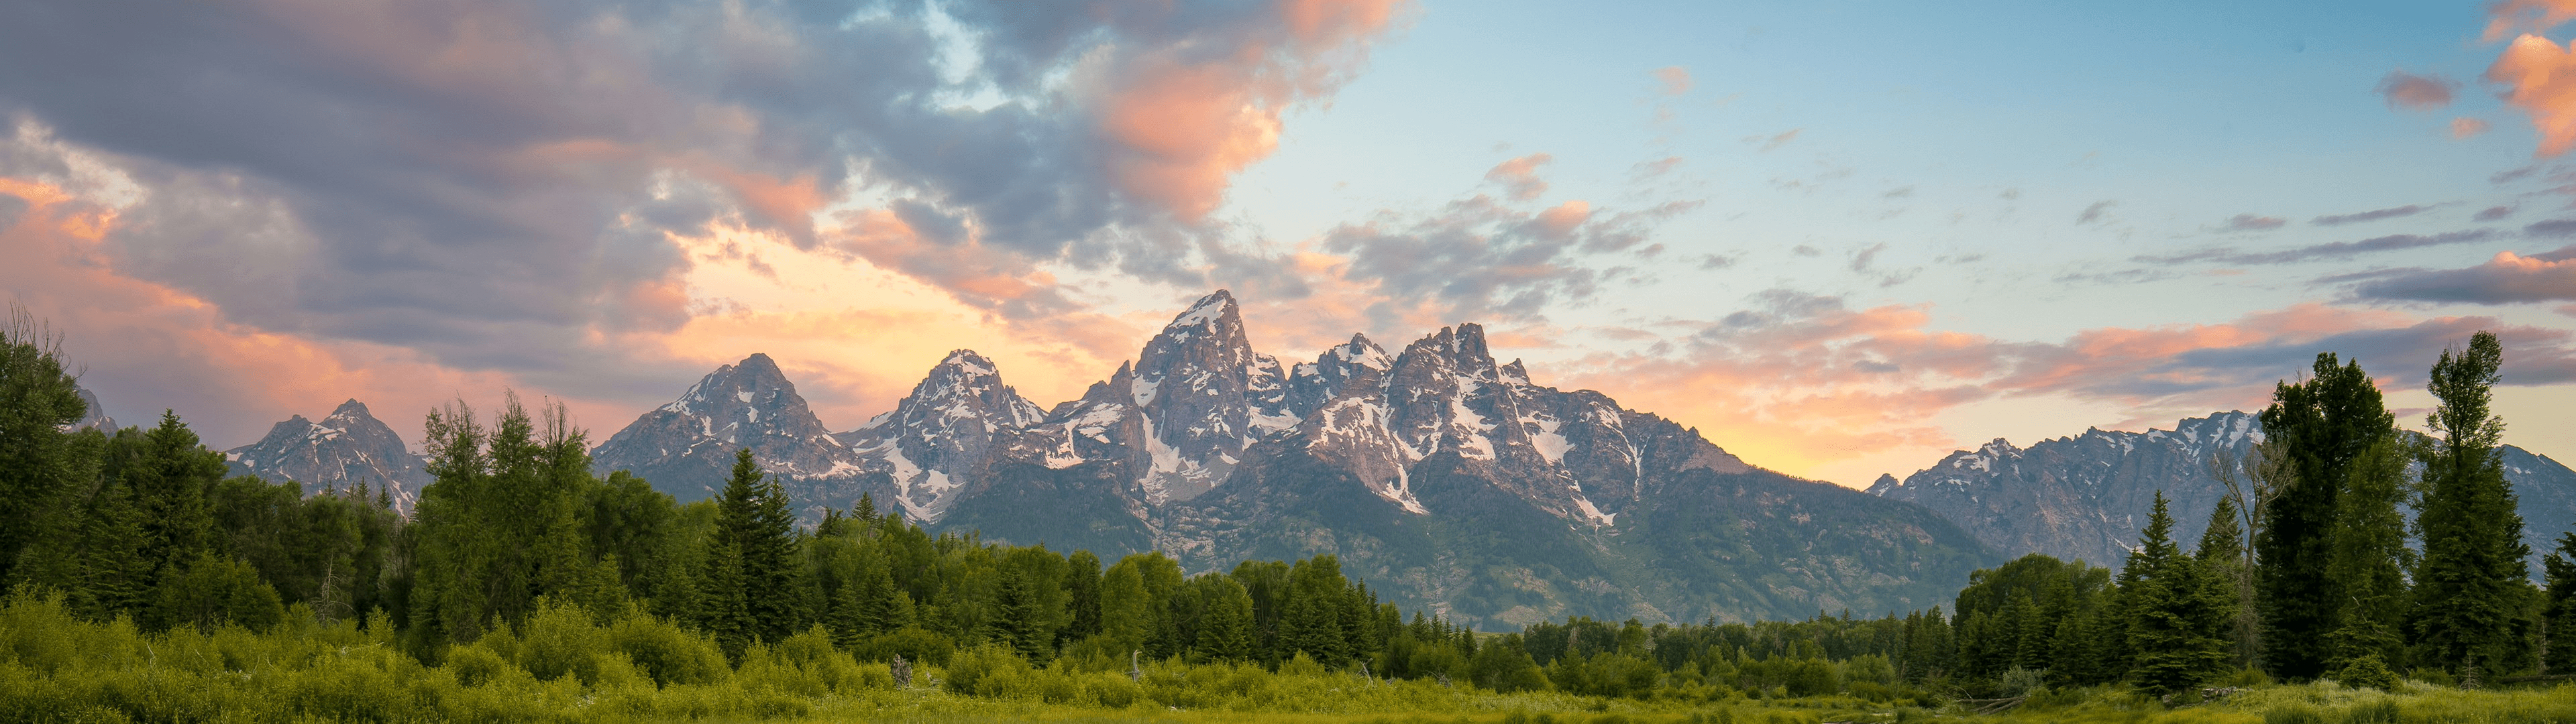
(2320, 252)
(1861, 260)
(2416, 92)
(2512, 16)
(2464, 127)
(2540, 76)
(1776, 140)
(2095, 211)
(1799, 381)
(2551, 229)
(1519, 176)
(1676, 80)
(1478, 257)
(514, 189)
(2250, 222)
(2493, 213)
(1654, 168)
(2371, 215)
(2507, 278)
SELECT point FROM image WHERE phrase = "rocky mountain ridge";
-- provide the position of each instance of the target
(1449, 477)
(348, 448)
(2086, 496)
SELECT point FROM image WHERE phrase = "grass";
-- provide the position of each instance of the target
(565, 667)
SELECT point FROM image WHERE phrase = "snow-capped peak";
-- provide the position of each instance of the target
(1212, 308)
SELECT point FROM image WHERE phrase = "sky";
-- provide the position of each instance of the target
(1839, 239)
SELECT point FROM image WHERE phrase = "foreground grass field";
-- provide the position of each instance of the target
(57, 668)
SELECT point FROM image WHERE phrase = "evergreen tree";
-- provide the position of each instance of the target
(2222, 552)
(2370, 556)
(2470, 586)
(2176, 630)
(2322, 424)
(1312, 621)
(2560, 610)
(1225, 630)
(755, 537)
(170, 477)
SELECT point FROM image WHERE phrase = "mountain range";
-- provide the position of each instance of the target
(1448, 480)
(348, 448)
(2087, 496)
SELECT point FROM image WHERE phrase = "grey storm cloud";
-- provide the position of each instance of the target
(494, 182)
(2322, 252)
(2371, 215)
(1481, 257)
(2544, 277)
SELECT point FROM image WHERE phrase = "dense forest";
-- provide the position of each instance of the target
(525, 586)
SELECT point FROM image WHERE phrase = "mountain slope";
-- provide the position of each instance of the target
(2085, 497)
(347, 448)
(686, 448)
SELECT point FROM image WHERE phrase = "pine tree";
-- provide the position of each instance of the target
(2176, 629)
(2560, 610)
(2470, 586)
(2370, 556)
(753, 561)
(2222, 552)
(1082, 596)
(2322, 424)
(170, 481)
(116, 569)
(1312, 621)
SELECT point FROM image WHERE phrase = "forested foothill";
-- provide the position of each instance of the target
(145, 585)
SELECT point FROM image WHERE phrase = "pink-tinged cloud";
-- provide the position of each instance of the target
(1519, 177)
(1185, 118)
(2465, 127)
(145, 347)
(2508, 17)
(2416, 92)
(2540, 77)
(1676, 80)
(2508, 278)
(1801, 381)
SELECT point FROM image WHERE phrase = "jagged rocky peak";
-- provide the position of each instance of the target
(1204, 396)
(686, 448)
(348, 448)
(96, 417)
(949, 430)
(735, 398)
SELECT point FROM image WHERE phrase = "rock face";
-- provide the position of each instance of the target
(348, 448)
(1445, 479)
(686, 448)
(96, 418)
(2086, 497)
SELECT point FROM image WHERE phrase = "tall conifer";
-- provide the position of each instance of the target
(2176, 632)
(2470, 588)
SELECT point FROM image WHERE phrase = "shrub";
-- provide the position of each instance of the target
(2367, 672)
(214, 591)
(666, 652)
